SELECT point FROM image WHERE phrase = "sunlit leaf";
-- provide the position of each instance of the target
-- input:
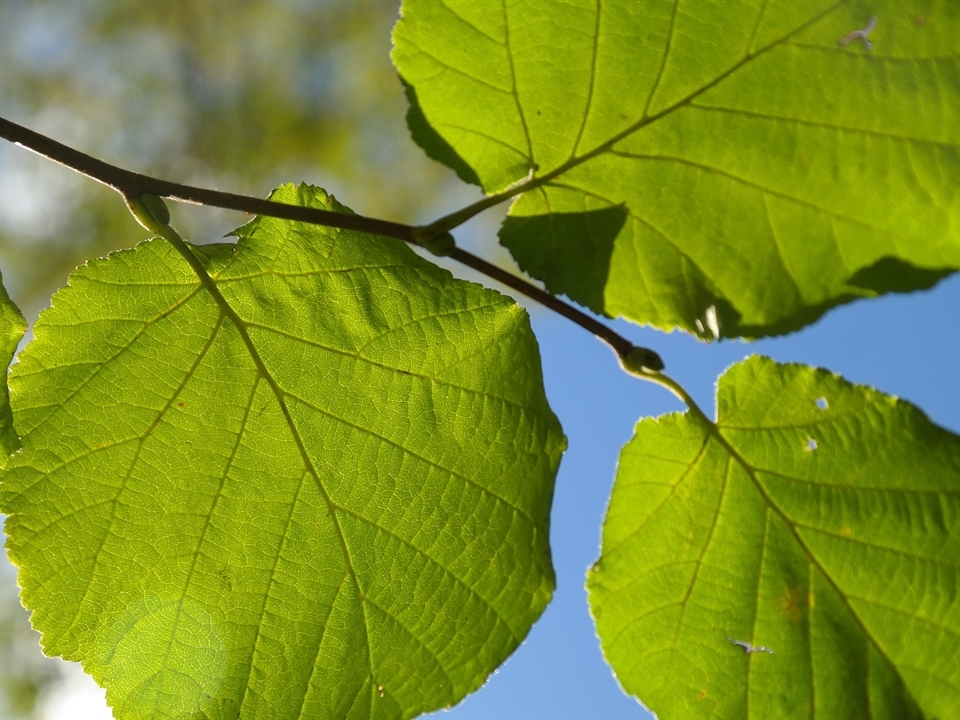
(818, 519)
(346, 517)
(764, 172)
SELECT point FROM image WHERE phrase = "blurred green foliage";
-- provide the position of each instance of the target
(24, 671)
(240, 97)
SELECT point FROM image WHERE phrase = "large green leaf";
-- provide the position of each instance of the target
(816, 518)
(350, 520)
(684, 155)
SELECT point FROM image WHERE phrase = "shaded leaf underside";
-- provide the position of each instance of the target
(349, 521)
(816, 518)
(760, 166)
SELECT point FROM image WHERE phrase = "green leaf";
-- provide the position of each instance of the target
(350, 520)
(762, 170)
(816, 518)
(434, 145)
(12, 328)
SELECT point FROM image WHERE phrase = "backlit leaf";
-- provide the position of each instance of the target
(762, 173)
(816, 518)
(349, 519)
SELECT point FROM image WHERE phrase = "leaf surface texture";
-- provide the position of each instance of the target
(818, 519)
(350, 520)
(682, 158)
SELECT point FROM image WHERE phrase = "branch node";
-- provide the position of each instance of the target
(149, 210)
(641, 361)
(439, 245)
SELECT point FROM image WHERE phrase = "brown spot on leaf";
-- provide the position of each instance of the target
(846, 531)
(793, 603)
(701, 695)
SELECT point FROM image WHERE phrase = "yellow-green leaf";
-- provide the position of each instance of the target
(324, 493)
(816, 519)
(682, 160)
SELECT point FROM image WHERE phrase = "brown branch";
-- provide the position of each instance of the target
(620, 344)
(132, 185)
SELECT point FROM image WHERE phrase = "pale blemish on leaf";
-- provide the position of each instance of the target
(862, 34)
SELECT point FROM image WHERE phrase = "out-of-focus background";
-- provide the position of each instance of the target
(243, 96)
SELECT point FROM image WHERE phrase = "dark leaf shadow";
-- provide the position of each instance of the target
(891, 274)
(430, 140)
(572, 249)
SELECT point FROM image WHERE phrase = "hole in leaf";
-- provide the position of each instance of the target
(710, 322)
(811, 445)
(822, 403)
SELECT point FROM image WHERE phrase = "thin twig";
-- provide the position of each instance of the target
(132, 185)
(620, 344)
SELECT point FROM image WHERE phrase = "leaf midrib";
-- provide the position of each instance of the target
(209, 284)
(575, 160)
(262, 372)
(714, 430)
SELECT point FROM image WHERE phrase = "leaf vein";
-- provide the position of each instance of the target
(316, 654)
(663, 59)
(161, 672)
(480, 80)
(753, 185)
(756, 27)
(104, 363)
(437, 564)
(883, 548)
(884, 135)
(593, 77)
(691, 466)
(410, 453)
(513, 80)
(412, 636)
(411, 373)
(696, 574)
